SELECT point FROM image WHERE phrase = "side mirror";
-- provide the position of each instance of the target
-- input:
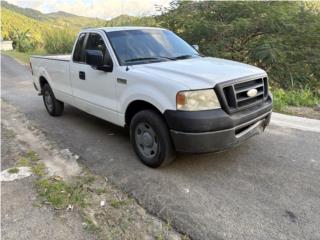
(94, 58)
(196, 47)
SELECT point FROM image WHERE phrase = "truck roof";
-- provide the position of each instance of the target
(124, 28)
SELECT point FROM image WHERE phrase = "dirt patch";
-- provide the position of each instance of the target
(307, 112)
(65, 186)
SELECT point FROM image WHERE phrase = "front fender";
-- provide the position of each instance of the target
(162, 101)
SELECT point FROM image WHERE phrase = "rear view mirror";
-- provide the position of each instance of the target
(196, 47)
(94, 58)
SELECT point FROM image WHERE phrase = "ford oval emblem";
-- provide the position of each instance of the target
(252, 92)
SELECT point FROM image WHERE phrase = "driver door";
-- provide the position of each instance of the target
(93, 90)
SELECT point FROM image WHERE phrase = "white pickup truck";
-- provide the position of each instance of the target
(170, 96)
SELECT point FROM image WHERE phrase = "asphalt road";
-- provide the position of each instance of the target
(267, 188)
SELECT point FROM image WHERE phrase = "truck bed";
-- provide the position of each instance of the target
(54, 57)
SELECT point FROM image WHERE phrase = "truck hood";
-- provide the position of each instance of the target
(197, 73)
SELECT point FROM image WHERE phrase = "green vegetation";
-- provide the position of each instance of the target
(59, 41)
(23, 57)
(13, 170)
(33, 156)
(54, 190)
(297, 98)
(31, 26)
(118, 203)
(61, 194)
(89, 225)
(280, 37)
(39, 169)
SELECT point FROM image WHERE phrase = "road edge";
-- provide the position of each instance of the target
(300, 123)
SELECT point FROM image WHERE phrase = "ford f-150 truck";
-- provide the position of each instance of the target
(171, 97)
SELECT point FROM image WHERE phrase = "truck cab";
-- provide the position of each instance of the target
(169, 96)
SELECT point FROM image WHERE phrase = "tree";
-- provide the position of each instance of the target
(281, 37)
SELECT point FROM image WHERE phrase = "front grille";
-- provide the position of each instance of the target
(235, 97)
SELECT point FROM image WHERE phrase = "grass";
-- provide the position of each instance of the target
(54, 190)
(118, 203)
(13, 170)
(89, 225)
(23, 57)
(298, 98)
(100, 191)
(39, 169)
(60, 194)
(32, 156)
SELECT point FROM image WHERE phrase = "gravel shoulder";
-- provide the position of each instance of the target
(27, 213)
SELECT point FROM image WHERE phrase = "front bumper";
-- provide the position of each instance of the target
(215, 130)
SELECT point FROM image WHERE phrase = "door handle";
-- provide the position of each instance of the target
(82, 75)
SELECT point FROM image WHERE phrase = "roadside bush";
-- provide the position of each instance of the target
(297, 98)
(58, 41)
(22, 41)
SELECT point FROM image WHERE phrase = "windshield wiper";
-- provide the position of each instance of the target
(182, 57)
(145, 59)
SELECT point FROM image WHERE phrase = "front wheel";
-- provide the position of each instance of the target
(53, 106)
(150, 138)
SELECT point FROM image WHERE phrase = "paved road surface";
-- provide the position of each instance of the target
(268, 188)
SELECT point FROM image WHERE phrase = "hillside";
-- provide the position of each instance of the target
(11, 19)
(24, 19)
(17, 20)
(38, 22)
(52, 17)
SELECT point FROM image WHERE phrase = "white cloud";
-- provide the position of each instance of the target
(95, 8)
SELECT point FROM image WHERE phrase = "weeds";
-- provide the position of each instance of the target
(59, 41)
(39, 169)
(298, 98)
(118, 203)
(100, 191)
(13, 170)
(23, 162)
(60, 194)
(89, 225)
(32, 156)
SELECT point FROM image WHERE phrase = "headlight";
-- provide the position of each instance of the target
(197, 100)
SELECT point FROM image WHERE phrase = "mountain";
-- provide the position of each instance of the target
(28, 12)
(18, 19)
(15, 18)
(37, 15)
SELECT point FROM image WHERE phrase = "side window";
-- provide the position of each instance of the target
(95, 42)
(77, 55)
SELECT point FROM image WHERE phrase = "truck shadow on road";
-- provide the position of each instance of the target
(99, 136)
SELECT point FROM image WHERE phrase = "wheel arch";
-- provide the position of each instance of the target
(42, 82)
(137, 106)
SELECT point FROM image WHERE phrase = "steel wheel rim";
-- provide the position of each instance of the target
(48, 101)
(146, 140)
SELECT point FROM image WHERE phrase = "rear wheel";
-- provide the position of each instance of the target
(53, 106)
(150, 139)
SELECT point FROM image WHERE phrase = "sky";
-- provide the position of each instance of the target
(105, 9)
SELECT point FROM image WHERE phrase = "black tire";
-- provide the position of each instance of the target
(53, 106)
(153, 131)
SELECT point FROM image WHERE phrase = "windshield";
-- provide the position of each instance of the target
(149, 45)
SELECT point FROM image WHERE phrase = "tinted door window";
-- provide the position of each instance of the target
(95, 42)
(77, 55)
